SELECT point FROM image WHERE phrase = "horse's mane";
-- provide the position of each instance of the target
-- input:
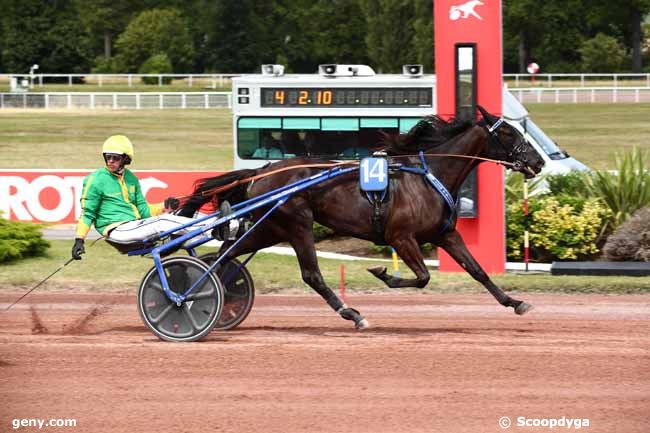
(430, 132)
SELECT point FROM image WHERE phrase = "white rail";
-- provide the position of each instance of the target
(115, 101)
(212, 81)
(582, 95)
(581, 80)
(215, 81)
(209, 100)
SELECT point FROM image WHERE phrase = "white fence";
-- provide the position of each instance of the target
(212, 81)
(581, 80)
(129, 100)
(583, 95)
(171, 100)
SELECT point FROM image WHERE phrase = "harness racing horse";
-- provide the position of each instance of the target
(415, 212)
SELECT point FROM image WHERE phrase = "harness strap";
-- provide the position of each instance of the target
(438, 186)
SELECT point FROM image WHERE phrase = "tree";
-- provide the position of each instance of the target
(423, 38)
(239, 36)
(624, 21)
(548, 32)
(106, 19)
(44, 33)
(390, 33)
(324, 31)
(602, 53)
(152, 32)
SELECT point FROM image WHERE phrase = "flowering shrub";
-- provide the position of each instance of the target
(561, 228)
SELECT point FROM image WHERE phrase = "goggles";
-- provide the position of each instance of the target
(113, 157)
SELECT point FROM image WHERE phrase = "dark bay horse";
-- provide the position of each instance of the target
(415, 213)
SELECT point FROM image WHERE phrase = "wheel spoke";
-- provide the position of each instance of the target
(163, 314)
(188, 312)
(200, 295)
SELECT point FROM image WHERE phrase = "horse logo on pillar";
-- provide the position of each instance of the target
(465, 10)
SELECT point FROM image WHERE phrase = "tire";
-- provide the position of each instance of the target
(239, 291)
(196, 316)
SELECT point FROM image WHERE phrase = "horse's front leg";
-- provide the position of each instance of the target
(409, 250)
(302, 241)
(454, 245)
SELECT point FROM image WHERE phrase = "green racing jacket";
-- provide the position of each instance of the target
(108, 200)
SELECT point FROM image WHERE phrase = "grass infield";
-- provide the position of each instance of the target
(103, 269)
(202, 139)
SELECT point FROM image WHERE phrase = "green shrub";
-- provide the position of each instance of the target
(321, 232)
(572, 183)
(19, 240)
(602, 53)
(515, 186)
(156, 64)
(569, 230)
(107, 65)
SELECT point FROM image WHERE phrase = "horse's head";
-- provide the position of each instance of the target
(508, 144)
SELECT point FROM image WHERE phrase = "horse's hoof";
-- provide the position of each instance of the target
(378, 272)
(362, 324)
(523, 308)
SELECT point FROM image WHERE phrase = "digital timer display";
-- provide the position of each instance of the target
(371, 97)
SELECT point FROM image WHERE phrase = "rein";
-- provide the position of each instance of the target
(235, 183)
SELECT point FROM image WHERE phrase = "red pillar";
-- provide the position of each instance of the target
(458, 21)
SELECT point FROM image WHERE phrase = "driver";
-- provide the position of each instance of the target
(112, 201)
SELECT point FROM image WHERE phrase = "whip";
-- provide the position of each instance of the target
(46, 278)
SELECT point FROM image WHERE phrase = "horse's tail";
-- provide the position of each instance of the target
(210, 189)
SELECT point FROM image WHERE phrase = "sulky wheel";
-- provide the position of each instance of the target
(196, 316)
(239, 291)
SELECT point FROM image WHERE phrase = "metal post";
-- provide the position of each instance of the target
(92, 101)
(526, 225)
(137, 101)
(159, 80)
(69, 80)
(189, 81)
(130, 80)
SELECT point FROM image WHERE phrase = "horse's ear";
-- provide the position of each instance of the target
(489, 119)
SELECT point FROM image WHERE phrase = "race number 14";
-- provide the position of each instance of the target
(374, 174)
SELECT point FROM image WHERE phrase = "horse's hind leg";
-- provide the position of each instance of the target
(302, 242)
(454, 245)
(409, 250)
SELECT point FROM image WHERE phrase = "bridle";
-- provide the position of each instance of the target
(517, 153)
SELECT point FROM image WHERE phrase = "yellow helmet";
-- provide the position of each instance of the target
(119, 144)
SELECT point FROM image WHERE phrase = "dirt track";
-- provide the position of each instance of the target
(436, 363)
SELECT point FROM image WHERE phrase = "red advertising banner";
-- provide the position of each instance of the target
(479, 22)
(52, 196)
